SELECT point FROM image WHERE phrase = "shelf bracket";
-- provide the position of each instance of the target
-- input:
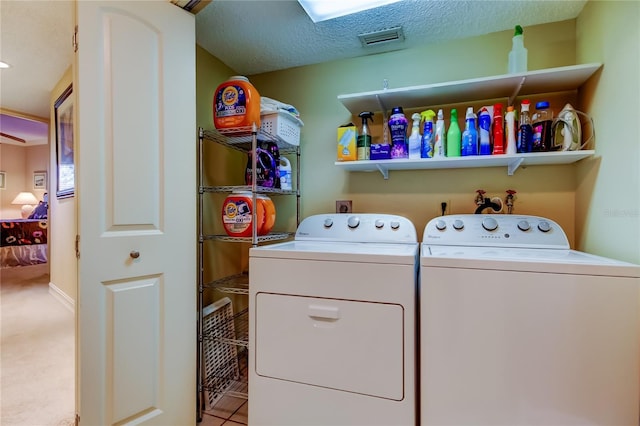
(513, 97)
(513, 165)
(383, 170)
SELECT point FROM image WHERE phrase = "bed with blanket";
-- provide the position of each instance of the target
(23, 242)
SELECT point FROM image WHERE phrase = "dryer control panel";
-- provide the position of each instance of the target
(496, 231)
(360, 228)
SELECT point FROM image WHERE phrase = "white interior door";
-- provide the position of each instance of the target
(136, 157)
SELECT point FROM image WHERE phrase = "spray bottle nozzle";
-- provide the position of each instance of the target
(366, 115)
(427, 115)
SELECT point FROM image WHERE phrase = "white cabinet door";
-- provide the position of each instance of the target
(134, 86)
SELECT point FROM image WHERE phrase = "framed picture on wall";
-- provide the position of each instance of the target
(39, 180)
(64, 145)
(3, 180)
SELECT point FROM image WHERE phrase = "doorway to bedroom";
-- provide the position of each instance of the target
(24, 164)
(38, 335)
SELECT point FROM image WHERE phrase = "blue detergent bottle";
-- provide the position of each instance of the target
(484, 123)
(470, 135)
(426, 145)
(525, 131)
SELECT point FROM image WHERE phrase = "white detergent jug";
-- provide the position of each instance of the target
(285, 174)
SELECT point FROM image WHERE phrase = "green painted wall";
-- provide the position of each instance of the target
(546, 190)
(573, 195)
(608, 186)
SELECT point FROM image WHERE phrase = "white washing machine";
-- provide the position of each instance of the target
(517, 329)
(332, 333)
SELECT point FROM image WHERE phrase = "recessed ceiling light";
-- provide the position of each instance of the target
(4, 65)
(322, 10)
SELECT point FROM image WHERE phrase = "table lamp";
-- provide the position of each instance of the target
(28, 200)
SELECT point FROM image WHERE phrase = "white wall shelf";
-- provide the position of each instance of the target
(509, 86)
(512, 162)
(502, 86)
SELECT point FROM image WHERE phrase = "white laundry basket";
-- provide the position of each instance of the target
(221, 367)
(283, 125)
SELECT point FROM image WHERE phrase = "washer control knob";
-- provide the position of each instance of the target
(490, 224)
(544, 226)
(523, 225)
(379, 223)
(328, 222)
(395, 224)
(353, 222)
(441, 225)
(458, 224)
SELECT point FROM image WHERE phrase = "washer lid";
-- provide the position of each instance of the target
(525, 259)
(340, 252)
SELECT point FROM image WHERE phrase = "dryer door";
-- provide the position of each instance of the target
(346, 345)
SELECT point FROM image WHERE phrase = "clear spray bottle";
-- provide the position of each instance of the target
(364, 139)
(414, 138)
(439, 144)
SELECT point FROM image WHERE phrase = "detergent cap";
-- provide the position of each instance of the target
(397, 110)
(518, 30)
(440, 114)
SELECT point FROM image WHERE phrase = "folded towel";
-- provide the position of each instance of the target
(268, 105)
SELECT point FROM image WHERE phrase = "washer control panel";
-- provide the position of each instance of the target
(495, 230)
(364, 227)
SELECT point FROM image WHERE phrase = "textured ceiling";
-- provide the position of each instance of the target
(253, 36)
(35, 39)
(259, 36)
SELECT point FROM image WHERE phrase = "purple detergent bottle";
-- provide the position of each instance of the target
(398, 125)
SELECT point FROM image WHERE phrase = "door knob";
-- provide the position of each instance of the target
(134, 254)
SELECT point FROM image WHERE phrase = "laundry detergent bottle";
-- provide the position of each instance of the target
(439, 141)
(510, 130)
(470, 135)
(414, 138)
(453, 136)
(428, 133)
(398, 125)
(484, 125)
(518, 53)
(525, 130)
(236, 106)
(363, 141)
(498, 130)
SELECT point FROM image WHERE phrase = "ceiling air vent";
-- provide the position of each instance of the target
(375, 38)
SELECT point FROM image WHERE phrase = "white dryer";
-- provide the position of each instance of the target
(517, 329)
(332, 333)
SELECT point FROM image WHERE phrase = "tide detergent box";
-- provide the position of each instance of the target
(347, 136)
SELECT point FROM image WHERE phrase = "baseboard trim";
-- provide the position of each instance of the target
(62, 297)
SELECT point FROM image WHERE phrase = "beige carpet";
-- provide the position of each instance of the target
(37, 385)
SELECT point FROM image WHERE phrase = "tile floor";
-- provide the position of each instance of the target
(228, 411)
